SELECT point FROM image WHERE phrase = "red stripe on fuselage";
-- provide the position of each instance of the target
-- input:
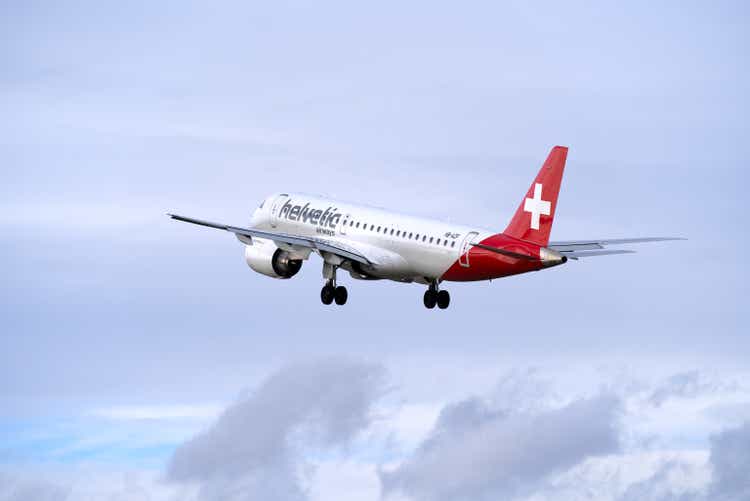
(485, 264)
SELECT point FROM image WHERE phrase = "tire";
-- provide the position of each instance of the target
(340, 295)
(443, 299)
(326, 294)
(430, 298)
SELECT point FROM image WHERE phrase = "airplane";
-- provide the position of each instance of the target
(376, 244)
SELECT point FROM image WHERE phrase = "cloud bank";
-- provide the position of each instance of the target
(475, 452)
(329, 429)
(254, 450)
(730, 460)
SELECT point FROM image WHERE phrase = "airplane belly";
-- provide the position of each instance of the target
(386, 263)
(427, 263)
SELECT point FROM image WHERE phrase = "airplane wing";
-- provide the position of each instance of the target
(320, 244)
(575, 249)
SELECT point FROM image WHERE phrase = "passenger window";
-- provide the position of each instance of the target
(453, 244)
(391, 231)
(357, 224)
(431, 239)
(417, 237)
(445, 243)
(438, 241)
(424, 238)
(398, 233)
(351, 223)
(410, 234)
(372, 227)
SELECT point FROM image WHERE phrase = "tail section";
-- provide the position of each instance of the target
(533, 219)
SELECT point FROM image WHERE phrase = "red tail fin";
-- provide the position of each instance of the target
(533, 219)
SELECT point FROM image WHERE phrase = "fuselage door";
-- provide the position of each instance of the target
(463, 259)
(278, 203)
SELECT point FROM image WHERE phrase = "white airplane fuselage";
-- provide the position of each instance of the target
(407, 248)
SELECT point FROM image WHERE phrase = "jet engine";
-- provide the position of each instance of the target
(266, 258)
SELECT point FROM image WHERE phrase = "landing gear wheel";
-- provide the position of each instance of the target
(430, 298)
(327, 293)
(340, 294)
(443, 299)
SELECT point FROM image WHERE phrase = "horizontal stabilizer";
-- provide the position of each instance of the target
(585, 253)
(576, 245)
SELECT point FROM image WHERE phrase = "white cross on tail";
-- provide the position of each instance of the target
(536, 206)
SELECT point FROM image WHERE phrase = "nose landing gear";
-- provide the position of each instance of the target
(433, 296)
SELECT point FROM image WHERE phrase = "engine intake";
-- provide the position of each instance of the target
(284, 265)
(264, 257)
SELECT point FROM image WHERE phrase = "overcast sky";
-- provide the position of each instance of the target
(147, 352)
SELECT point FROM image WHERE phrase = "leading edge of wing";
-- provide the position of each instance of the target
(579, 245)
(310, 242)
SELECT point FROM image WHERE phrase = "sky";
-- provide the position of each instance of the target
(140, 358)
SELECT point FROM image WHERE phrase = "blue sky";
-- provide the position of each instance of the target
(125, 334)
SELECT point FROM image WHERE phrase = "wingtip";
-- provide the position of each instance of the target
(669, 239)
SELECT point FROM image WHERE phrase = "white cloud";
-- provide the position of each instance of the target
(16, 488)
(256, 449)
(688, 384)
(730, 460)
(479, 452)
(353, 481)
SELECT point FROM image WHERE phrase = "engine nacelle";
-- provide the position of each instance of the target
(266, 258)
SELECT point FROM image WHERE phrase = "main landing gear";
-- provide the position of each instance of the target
(330, 291)
(433, 296)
